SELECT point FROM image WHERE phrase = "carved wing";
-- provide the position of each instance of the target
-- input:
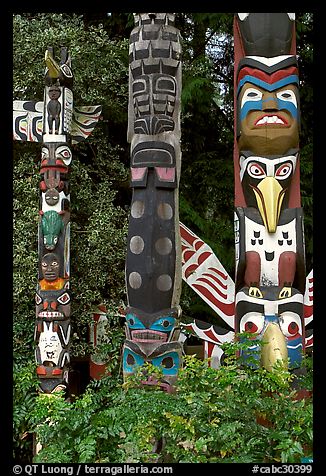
(212, 337)
(308, 308)
(28, 121)
(84, 119)
(208, 332)
(204, 273)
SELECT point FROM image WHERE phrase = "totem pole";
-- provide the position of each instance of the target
(153, 262)
(56, 124)
(270, 258)
(273, 296)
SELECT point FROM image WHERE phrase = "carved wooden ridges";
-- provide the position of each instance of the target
(153, 265)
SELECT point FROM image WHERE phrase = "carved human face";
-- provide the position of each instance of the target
(52, 197)
(54, 92)
(268, 119)
(50, 267)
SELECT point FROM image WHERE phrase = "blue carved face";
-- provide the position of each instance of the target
(255, 98)
(278, 322)
(168, 362)
(157, 331)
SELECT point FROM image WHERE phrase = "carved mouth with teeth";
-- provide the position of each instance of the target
(271, 120)
(50, 314)
(148, 336)
(49, 275)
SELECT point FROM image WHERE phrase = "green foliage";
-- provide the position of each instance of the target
(25, 387)
(231, 414)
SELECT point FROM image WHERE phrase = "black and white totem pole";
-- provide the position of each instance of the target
(153, 262)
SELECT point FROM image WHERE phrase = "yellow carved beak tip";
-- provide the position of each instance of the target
(274, 348)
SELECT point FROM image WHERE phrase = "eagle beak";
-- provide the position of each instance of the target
(274, 347)
(269, 195)
(53, 67)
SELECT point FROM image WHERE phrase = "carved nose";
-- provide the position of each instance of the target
(270, 103)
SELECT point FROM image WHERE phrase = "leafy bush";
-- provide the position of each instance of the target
(231, 414)
(24, 395)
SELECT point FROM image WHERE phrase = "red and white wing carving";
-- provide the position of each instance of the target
(208, 332)
(212, 337)
(308, 300)
(204, 273)
(308, 307)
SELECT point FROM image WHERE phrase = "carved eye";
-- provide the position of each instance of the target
(134, 322)
(284, 171)
(66, 70)
(38, 299)
(163, 324)
(290, 324)
(168, 362)
(44, 153)
(64, 298)
(252, 322)
(255, 170)
(64, 153)
(287, 95)
(131, 321)
(130, 359)
(251, 94)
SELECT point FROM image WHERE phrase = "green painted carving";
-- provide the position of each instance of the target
(52, 225)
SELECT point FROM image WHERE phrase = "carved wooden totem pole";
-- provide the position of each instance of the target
(272, 296)
(56, 124)
(270, 258)
(153, 262)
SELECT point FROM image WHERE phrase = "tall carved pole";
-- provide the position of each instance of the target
(153, 262)
(270, 261)
(57, 124)
(52, 330)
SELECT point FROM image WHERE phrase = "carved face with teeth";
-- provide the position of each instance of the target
(151, 328)
(268, 111)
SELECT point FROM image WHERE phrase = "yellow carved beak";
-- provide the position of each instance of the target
(269, 195)
(52, 65)
(274, 347)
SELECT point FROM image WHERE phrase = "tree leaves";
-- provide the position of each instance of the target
(230, 414)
